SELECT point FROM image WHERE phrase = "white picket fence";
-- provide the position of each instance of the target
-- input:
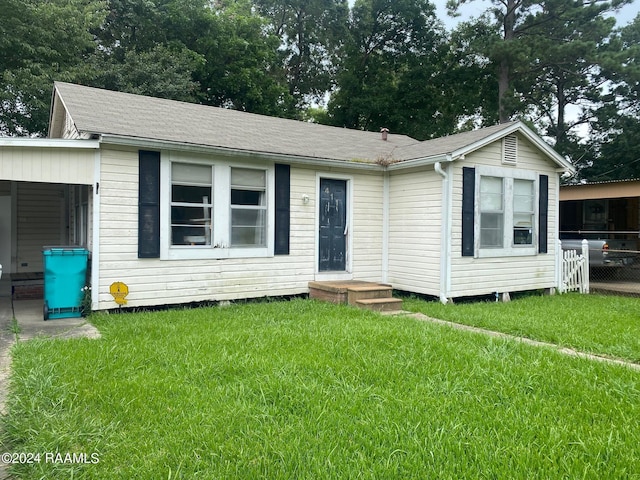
(574, 269)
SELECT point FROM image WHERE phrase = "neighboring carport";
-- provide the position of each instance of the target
(610, 211)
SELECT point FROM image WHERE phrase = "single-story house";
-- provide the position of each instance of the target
(186, 203)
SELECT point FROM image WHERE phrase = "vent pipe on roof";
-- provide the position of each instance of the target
(384, 132)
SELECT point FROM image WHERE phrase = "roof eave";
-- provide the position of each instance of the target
(519, 127)
(49, 143)
(234, 152)
(421, 161)
(56, 104)
(564, 165)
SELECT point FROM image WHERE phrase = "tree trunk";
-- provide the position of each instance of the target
(504, 74)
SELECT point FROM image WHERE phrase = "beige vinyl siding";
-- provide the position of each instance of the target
(480, 276)
(157, 282)
(414, 231)
(302, 228)
(47, 164)
(41, 221)
(367, 230)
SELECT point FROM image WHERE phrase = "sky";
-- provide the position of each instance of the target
(476, 7)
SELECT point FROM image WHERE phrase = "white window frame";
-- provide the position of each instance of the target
(260, 208)
(204, 225)
(80, 214)
(508, 249)
(220, 247)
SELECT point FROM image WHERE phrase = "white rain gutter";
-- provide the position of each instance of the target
(445, 228)
(48, 143)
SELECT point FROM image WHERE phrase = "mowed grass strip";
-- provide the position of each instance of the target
(600, 324)
(304, 389)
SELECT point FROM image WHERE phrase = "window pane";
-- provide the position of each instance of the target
(248, 227)
(248, 187)
(189, 194)
(245, 177)
(190, 173)
(491, 194)
(191, 204)
(190, 225)
(523, 205)
(491, 230)
(247, 197)
(522, 196)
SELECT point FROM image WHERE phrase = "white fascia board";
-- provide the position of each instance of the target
(53, 108)
(561, 162)
(232, 152)
(49, 143)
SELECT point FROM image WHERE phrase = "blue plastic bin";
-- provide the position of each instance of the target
(65, 272)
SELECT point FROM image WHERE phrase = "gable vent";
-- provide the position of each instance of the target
(510, 150)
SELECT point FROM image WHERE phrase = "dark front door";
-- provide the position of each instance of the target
(333, 224)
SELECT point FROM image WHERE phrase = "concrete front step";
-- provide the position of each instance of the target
(380, 304)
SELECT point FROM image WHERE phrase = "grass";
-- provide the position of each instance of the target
(598, 324)
(303, 389)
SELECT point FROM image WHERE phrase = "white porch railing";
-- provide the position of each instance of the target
(573, 269)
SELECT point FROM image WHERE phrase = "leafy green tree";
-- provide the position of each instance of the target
(310, 33)
(389, 72)
(472, 97)
(216, 53)
(546, 46)
(613, 151)
(40, 42)
(568, 44)
(163, 71)
(507, 53)
(241, 68)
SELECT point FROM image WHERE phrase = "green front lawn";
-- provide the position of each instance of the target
(600, 324)
(304, 389)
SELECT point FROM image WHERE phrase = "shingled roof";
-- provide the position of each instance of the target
(96, 111)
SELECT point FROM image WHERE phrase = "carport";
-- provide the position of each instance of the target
(610, 211)
(46, 194)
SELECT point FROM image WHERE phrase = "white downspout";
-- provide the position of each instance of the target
(445, 232)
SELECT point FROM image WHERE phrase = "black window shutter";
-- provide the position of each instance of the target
(468, 204)
(543, 214)
(283, 209)
(148, 204)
